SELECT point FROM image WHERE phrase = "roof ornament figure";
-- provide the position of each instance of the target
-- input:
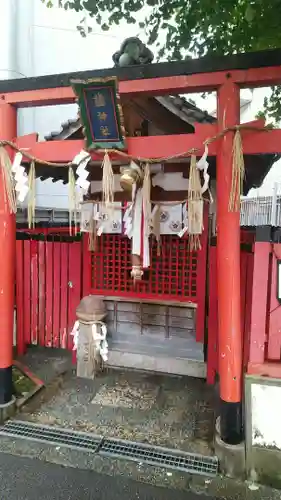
(132, 52)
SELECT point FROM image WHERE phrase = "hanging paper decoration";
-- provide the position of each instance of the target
(87, 213)
(238, 174)
(99, 331)
(184, 220)
(100, 112)
(170, 219)
(155, 226)
(21, 178)
(32, 196)
(203, 165)
(146, 208)
(195, 206)
(82, 160)
(109, 220)
(75, 334)
(9, 191)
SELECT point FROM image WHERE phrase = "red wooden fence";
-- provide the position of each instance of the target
(246, 268)
(48, 290)
(265, 333)
(52, 276)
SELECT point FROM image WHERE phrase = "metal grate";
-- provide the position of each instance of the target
(172, 274)
(161, 457)
(51, 435)
(137, 452)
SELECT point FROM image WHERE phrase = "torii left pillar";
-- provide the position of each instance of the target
(8, 131)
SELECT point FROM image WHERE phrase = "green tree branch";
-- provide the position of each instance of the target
(194, 27)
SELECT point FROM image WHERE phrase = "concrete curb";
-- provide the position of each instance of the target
(232, 458)
(8, 410)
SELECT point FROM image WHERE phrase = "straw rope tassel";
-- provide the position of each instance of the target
(31, 196)
(71, 197)
(9, 191)
(238, 173)
(195, 206)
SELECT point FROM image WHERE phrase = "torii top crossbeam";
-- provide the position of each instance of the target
(225, 75)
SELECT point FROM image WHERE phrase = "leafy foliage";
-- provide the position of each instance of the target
(196, 27)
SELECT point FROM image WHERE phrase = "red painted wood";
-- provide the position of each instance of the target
(162, 146)
(212, 349)
(64, 294)
(27, 292)
(243, 277)
(21, 347)
(44, 230)
(8, 130)
(246, 270)
(228, 254)
(57, 294)
(248, 308)
(49, 293)
(34, 291)
(265, 369)
(274, 330)
(257, 77)
(201, 282)
(86, 266)
(74, 286)
(148, 147)
(28, 140)
(259, 301)
(42, 292)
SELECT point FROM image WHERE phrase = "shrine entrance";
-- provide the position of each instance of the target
(157, 324)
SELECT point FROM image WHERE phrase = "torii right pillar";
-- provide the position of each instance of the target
(228, 266)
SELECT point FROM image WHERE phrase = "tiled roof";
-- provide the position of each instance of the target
(187, 111)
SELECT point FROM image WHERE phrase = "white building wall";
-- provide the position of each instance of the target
(35, 41)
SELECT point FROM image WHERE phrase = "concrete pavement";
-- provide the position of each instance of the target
(30, 479)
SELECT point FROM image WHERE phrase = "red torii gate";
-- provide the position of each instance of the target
(225, 75)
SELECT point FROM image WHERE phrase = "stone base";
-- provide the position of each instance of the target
(232, 458)
(8, 410)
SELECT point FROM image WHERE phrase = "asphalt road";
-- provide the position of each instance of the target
(30, 479)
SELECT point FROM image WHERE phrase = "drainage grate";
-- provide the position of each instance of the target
(138, 452)
(51, 435)
(161, 457)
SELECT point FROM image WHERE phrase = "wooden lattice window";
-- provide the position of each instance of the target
(172, 275)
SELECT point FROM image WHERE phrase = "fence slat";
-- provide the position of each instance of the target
(201, 282)
(34, 291)
(248, 307)
(86, 266)
(27, 292)
(63, 294)
(57, 284)
(74, 286)
(42, 291)
(21, 347)
(274, 337)
(212, 349)
(243, 286)
(49, 294)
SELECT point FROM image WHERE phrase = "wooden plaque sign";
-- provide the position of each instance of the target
(100, 112)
